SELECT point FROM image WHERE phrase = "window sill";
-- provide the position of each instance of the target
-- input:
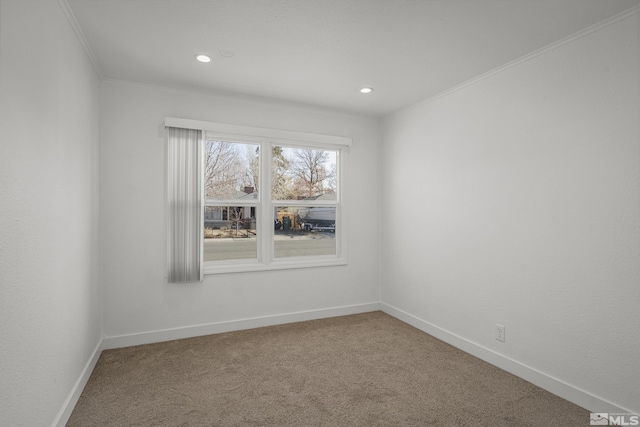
(245, 267)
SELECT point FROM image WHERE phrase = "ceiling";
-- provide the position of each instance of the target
(321, 52)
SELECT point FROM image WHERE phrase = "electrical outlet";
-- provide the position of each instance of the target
(500, 332)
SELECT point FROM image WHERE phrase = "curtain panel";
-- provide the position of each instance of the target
(184, 205)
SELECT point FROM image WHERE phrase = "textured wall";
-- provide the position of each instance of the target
(523, 188)
(49, 285)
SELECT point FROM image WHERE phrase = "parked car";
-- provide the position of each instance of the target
(319, 227)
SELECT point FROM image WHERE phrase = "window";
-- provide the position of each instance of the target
(270, 199)
(230, 203)
(304, 196)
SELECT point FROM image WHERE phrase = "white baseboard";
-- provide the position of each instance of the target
(542, 380)
(67, 408)
(233, 325)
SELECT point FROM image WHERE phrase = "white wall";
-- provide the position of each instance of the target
(522, 189)
(50, 305)
(137, 299)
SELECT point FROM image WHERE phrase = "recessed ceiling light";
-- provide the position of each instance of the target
(366, 90)
(203, 58)
(226, 53)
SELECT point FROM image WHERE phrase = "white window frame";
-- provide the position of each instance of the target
(267, 138)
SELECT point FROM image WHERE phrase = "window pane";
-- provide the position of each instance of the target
(303, 173)
(231, 170)
(230, 233)
(304, 231)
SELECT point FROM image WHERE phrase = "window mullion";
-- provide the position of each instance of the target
(201, 184)
(266, 205)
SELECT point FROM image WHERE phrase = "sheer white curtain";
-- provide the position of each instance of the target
(184, 200)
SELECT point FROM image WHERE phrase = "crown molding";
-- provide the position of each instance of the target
(550, 47)
(71, 17)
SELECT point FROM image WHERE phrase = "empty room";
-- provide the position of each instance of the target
(319, 212)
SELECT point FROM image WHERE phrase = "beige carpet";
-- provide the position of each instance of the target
(361, 370)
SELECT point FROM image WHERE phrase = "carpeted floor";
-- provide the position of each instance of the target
(362, 370)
